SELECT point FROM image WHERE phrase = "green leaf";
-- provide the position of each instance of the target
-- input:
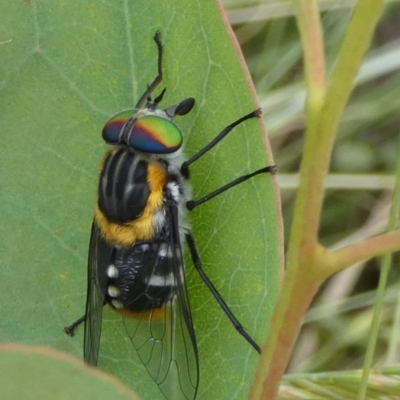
(69, 67)
(33, 373)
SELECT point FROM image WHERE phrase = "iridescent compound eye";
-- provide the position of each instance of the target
(113, 128)
(153, 134)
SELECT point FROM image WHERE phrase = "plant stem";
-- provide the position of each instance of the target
(372, 247)
(309, 24)
(308, 263)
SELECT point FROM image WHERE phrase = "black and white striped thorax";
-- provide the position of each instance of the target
(125, 186)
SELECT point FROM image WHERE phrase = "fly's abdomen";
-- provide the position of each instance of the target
(141, 278)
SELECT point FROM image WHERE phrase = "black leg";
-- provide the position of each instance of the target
(158, 78)
(199, 267)
(70, 330)
(191, 204)
(216, 140)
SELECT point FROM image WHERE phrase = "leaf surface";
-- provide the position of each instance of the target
(69, 67)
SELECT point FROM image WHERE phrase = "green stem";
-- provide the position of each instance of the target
(309, 23)
(308, 263)
(340, 259)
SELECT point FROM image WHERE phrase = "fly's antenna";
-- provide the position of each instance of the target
(157, 80)
(160, 97)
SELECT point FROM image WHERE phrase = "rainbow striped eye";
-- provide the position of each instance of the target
(154, 134)
(113, 128)
(150, 134)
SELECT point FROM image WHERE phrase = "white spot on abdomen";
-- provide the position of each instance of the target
(112, 271)
(113, 291)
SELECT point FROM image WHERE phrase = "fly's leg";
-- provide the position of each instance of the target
(199, 267)
(70, 330)
(185, 166)
(191, 204)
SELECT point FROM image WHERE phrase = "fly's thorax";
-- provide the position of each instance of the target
(133, 190)
(124, 187)
(130, 196)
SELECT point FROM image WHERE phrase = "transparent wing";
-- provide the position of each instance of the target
(99, 257)
(164, 337)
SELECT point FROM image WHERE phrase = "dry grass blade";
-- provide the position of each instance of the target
(383, 384)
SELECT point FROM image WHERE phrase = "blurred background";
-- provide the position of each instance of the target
(360, 184)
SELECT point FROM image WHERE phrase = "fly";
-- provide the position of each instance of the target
(135, 259)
